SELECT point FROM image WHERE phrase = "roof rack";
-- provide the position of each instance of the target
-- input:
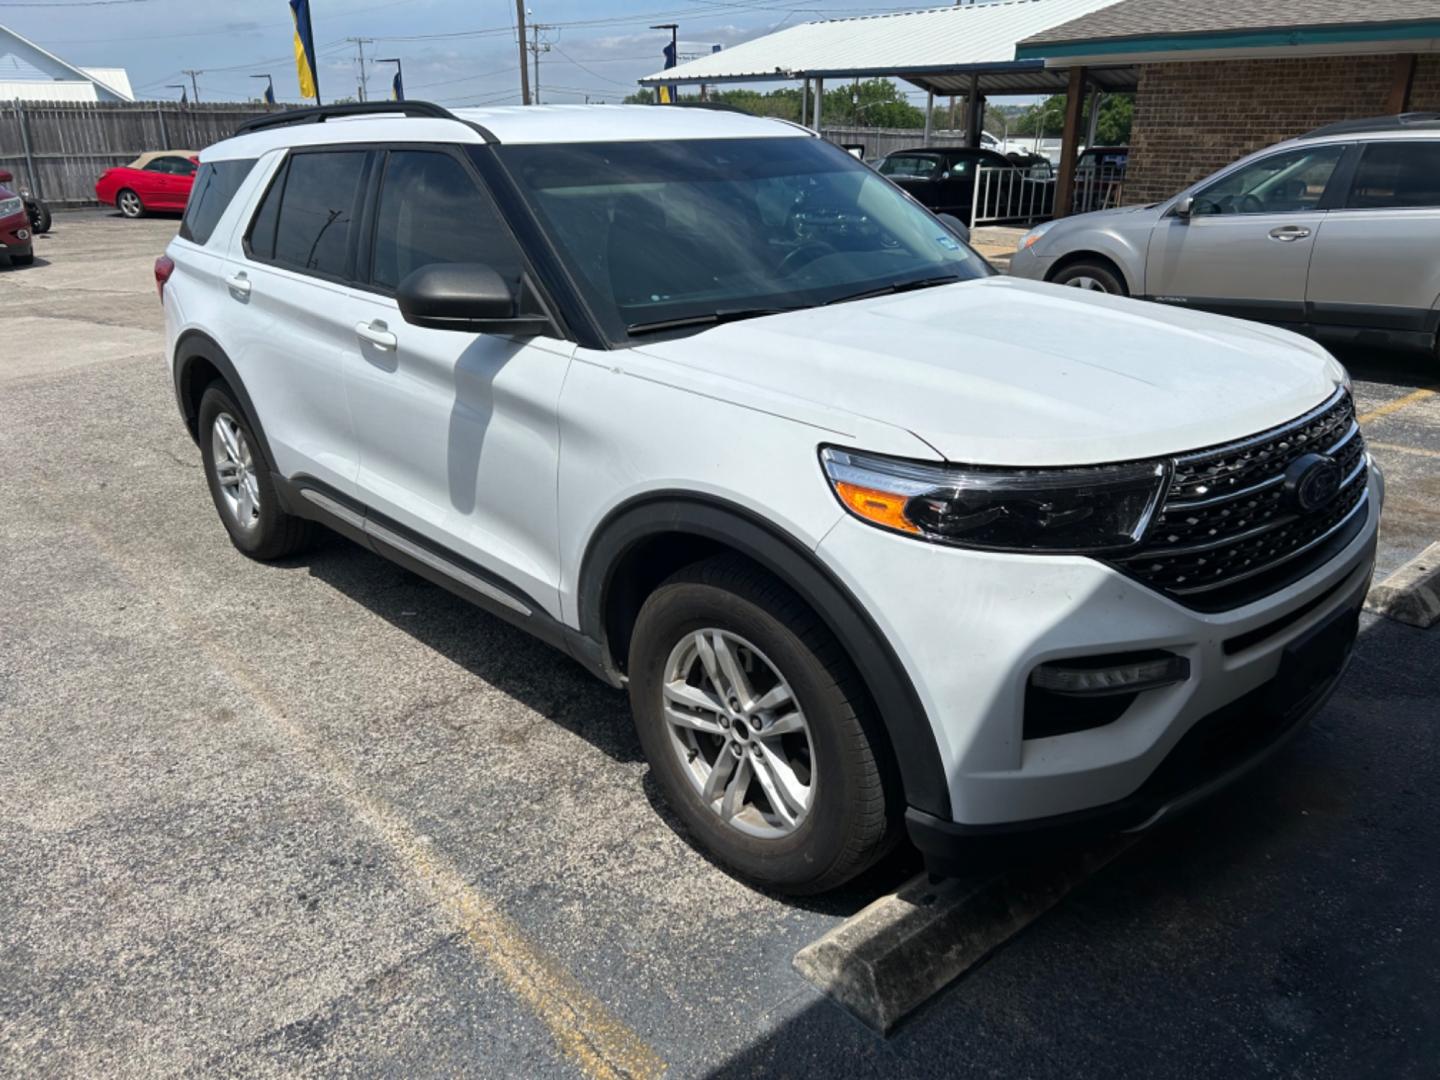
(321, 113)
(1395, 122)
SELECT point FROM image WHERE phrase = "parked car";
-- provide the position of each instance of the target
(1333, 234)
(1100, 177)
(943, 178)
(159, 180)
(16, 240)
(35, 208)
(748, 432)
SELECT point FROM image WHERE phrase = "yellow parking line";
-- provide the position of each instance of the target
(1398, 404)
(1397, 448)
(597, 1042)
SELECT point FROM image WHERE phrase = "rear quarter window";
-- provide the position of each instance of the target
(215, 186)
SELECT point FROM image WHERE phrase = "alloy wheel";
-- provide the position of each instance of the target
(130, 204)
(235, 471)
(739, 733)
(1085, 281)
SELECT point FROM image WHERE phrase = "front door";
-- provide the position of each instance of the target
(1245, 248)
(457, 431)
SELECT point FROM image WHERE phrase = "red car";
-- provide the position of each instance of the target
(159, 180)
(15, 239)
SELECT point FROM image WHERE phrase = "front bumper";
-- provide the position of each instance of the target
(15, 238)
(970, 627)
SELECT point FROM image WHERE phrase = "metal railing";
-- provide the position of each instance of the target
(1097, 189)
(1010, 196)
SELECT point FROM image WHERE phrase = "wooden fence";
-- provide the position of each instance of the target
(881, 141)
(59, 149)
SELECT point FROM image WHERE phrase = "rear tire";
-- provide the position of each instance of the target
(40, 218)
(129, 204)
(1094, 276)
(824, 742)
(240, 483)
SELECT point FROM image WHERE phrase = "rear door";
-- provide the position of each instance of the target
(292, 334)
(457, 431)
(1245, 250)
(1377, 261)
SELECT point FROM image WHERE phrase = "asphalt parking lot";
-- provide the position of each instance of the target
(321, 817)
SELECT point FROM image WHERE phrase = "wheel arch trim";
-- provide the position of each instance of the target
(903, 715)
(195, 345)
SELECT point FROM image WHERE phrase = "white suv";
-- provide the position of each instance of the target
(872, 535)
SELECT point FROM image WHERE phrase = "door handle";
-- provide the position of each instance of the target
(376, 333)
(1289, 233)
(239, 284)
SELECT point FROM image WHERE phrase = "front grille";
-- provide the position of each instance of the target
(1226, 533)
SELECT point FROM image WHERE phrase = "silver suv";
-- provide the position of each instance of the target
(1333, 234)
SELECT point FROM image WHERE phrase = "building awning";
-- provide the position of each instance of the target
(938, 49)
(1153, 31)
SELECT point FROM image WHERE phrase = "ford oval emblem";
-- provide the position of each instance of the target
(1311, 481)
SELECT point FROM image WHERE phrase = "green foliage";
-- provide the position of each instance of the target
(1117, 111)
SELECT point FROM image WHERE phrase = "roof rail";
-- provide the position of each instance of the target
(1395, 122)
(321, 113)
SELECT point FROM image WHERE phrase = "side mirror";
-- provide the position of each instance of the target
(1184, 208)
(470, 297)
(956, 226)
(6, 176)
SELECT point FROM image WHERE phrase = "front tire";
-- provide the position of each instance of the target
(240, 484)
(1094, 276)
(758, 731)
(23, 260)
(129, 204)
(40, 217)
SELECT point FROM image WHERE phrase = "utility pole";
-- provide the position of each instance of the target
(536, 48)
(524, 60)
(194, 86)
(360, 43)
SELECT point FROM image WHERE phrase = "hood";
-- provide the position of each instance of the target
(1001, 371)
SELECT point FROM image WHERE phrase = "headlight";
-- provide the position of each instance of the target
(1080, 511)
(1033, 235)
(9, 207)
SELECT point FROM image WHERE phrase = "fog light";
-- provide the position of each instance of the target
(22, 234)
(1099, 676)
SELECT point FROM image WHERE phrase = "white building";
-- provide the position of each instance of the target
(30, 73)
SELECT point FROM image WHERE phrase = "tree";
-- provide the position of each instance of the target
(1117, 111)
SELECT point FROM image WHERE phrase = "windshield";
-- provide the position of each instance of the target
(660, 235)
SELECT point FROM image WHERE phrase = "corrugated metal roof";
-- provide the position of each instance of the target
(1143, 18)
(955, 37)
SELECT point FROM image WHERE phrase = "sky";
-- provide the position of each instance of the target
(455, 52)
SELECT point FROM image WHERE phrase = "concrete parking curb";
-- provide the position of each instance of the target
(1410, 595)
(896, 953)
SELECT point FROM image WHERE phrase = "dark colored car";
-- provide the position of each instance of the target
(15, 240)
(943, 179)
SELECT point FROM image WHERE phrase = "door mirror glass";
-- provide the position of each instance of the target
(471, 297)
(1184, 208)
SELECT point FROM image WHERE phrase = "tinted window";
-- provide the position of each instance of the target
(1281, 183)
(215, 186)
(318, 210)
(1397, 174)
(431, 211)
(261, 238)
(921, 165)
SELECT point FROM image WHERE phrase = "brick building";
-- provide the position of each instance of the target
(1217, 81)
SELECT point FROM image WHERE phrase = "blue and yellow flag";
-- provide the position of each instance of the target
(269, 94)
(397, 88)
(305, 50)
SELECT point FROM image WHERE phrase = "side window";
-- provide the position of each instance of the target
(185, 167)
(317, 211)
(215, 185)
(1396, 174)
(432, 211)
(260, 241)
(1281, 183)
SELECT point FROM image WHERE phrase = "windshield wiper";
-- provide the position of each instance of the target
(709, 318)
(904, 286)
